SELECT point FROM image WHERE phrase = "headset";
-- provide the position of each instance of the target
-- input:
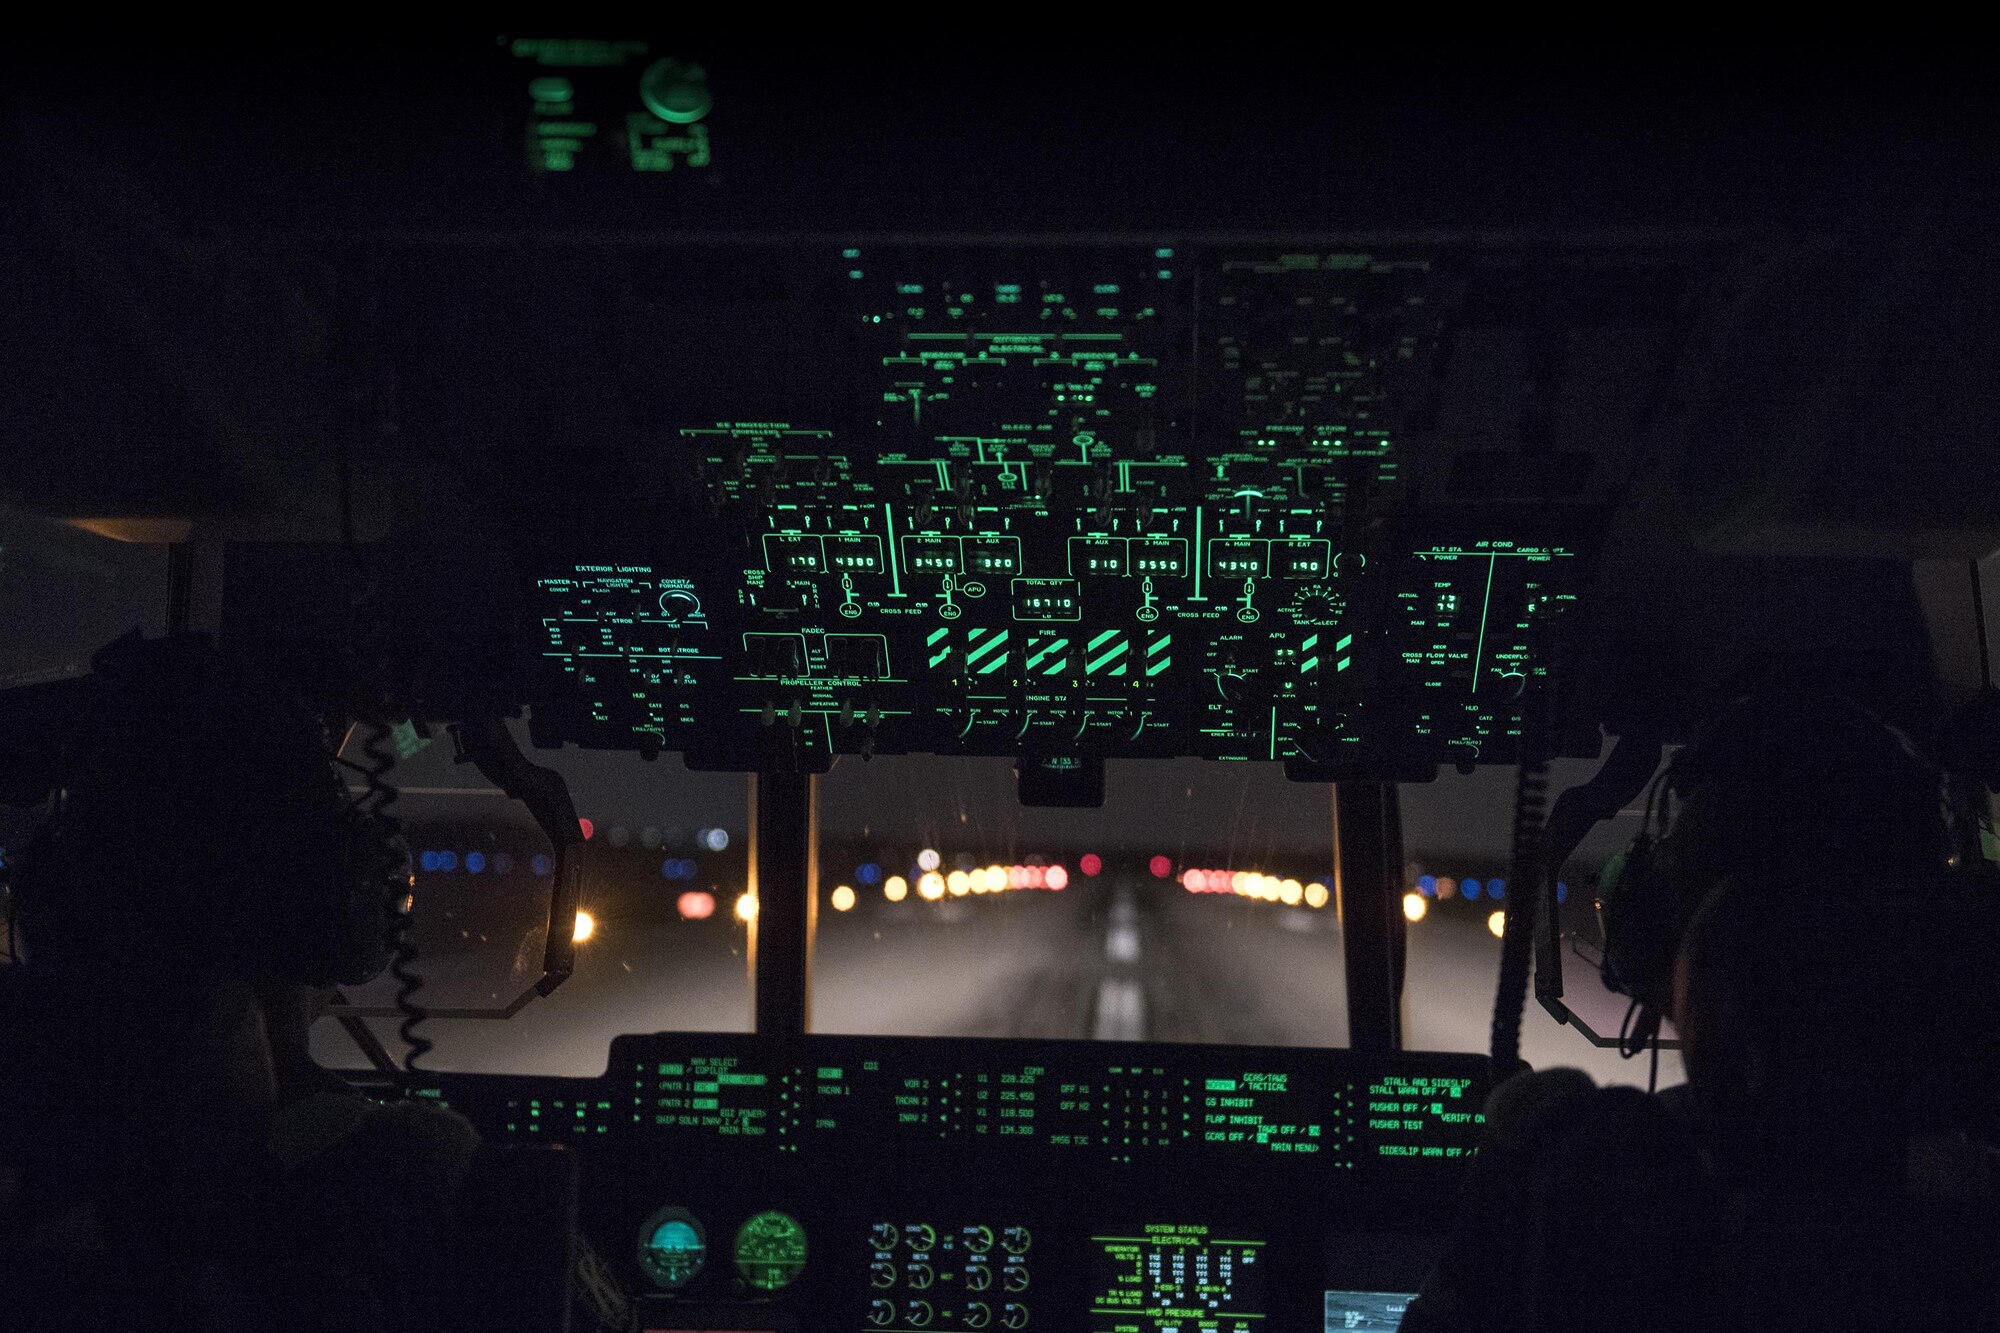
(1756, 753)
(286, 877)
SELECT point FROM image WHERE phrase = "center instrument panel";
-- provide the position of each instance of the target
(1070, 500)
(880, 1183)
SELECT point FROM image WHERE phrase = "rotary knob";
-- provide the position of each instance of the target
(676, 91)
(679, 605)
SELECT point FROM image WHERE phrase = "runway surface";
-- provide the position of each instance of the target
(1131, 959)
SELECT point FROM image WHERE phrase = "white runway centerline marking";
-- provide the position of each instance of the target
(1121, 1011)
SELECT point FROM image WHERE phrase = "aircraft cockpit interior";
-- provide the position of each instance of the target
(992, 685)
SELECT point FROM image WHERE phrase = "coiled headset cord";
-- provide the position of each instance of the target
(383, 843)
(1525, 875)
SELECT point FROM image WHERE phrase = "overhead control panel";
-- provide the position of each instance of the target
(1081, 501)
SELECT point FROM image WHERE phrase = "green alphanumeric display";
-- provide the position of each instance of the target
(1305, 1110)
(1165, 1277)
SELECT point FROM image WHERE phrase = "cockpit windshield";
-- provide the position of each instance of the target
(1199, 904)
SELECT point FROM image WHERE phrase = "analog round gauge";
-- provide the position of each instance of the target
(672, 1248)
(770, 1251)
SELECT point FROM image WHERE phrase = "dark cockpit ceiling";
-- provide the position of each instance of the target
(921, 129)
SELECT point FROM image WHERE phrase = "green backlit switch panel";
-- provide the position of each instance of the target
(1115, 501)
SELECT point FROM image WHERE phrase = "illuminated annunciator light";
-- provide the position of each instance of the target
(928, 859)
(746, 907)
(1090, 863)
(1497, 923)
(1291, 892)
(959, 883)
(586, 926)
(1056, 878)
(895, 888)
(1414, 906)
(931, 886)
(1317, 894)
(696, 905)
(843, 899)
